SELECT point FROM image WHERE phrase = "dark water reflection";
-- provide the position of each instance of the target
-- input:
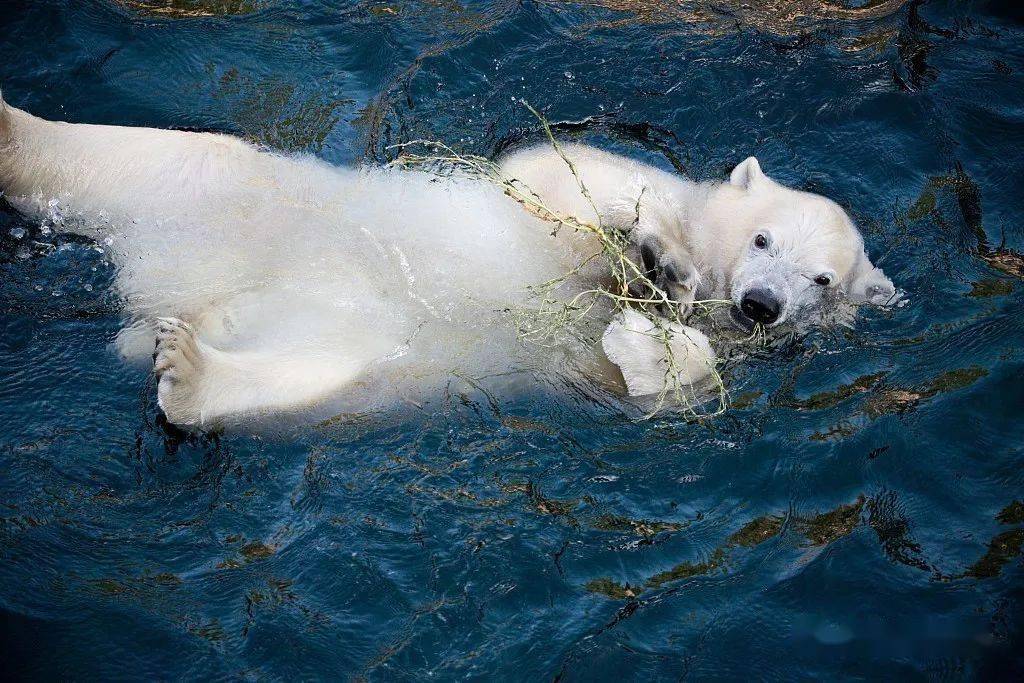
(857, 513)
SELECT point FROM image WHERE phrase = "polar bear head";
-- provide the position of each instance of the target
(786, 253)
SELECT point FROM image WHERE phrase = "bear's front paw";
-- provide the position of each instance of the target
(178, 364)
(671, 269)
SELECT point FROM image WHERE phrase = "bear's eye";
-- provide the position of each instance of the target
(761, 242)
(823, 280)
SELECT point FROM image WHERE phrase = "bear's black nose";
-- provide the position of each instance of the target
(760, 306)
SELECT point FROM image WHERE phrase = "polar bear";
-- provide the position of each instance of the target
(275, 283)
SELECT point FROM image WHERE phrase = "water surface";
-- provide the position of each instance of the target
(857, 513)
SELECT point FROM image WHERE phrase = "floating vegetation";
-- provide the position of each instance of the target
(211, 631)
(828, 399)
(897, 401)
(887, 400)
(1001, 550)
(836, 432)
(1006, 260)
(640, 527)
(540, 503)
(250, 552)
(109, 587)
(517, 423)
(685, 570)
(137, 586)
(780, 17)
(991, 287)
(612, 589)
(1012, 513)
(751, 535)
(746, 399)
(1004, 547)
(756, 532)
(279, 594)
(20, 523)
(181, 9)
(953, 380)
(167, 580)
(550, 506)
(968, 198)
(830, 526)
(256, 551)
(556, 316)
(458, 495)
(892, 402)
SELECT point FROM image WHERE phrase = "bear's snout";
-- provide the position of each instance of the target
(760, 306)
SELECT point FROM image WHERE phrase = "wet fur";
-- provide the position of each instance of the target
(276, 283)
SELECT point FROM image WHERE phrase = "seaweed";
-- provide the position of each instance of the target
(253, 551)
(953, 380)
(898, 401)
(1004, 260)
(256, 551)
(830, 526)
(138, 586)
(775, 18)
(828, 399)
(211, 631)
(180, 9)
(517, 423)
(610, 588)
(1012, 513)
(540, 503)
(746, 399)
(990, 287)
(820, 530)
(756, 532)
(835, 432)
(685, 570)
(1001, 549)
(641, 527)
(1004, 547)
(967, 194)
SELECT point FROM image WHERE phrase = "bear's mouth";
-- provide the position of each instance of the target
(742, 321)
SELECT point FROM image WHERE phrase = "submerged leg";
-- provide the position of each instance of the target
(199, 385)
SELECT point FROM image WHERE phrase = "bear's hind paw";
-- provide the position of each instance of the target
(178, 363)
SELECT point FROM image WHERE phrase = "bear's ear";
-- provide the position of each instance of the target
(747, 174)
(869, 284)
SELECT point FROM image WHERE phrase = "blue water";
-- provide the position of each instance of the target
(856, 514)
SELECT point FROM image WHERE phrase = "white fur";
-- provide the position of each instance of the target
(638, 347)
(275, 282)
(714, 224)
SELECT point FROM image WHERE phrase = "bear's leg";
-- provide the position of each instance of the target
(199, 385)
